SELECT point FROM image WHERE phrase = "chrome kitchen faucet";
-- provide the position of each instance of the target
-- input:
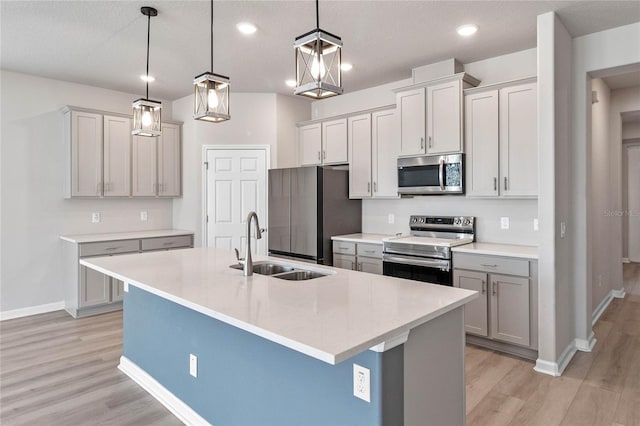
(247, 262)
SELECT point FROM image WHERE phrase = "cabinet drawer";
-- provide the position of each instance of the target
(165, 243)
(370, 250)
(344, 247)
(493, 264)
(109, 247)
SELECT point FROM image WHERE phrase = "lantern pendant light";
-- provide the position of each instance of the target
(147, 114)
(318, 58)
(211, 92)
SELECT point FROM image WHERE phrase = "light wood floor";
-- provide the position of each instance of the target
(55, 370)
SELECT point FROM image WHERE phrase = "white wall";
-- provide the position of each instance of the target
(256, 119)
(512, 66)
(602, 193)
(289, 110)
(593, 53)
(630, 131)
(33, 211)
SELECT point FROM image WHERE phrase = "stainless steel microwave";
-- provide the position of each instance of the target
(431, 175)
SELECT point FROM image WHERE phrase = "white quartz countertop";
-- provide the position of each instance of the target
(362, 238)
(115, 236)
(330, 318)
(510, 250)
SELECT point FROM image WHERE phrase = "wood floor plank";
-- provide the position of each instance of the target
(592, 405)
(549, 403)
(495, 409)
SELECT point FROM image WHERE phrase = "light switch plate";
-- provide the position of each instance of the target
(563, 229)
(536, 224)
(504, 222)
(193, 365)
(362, 382)
(95, 217)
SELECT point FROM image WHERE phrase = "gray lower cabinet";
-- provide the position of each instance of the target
(89, 292)
(507, 309)
(362, 257)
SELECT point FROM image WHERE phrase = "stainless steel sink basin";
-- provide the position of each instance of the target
(300, 275)
(284, 272)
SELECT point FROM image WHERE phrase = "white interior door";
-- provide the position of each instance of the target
(634, 203)
(235, 184)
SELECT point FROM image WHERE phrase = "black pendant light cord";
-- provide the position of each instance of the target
(317, 16)
(211, 36)
(148, 39)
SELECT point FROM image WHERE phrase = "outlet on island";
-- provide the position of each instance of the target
(361, 382)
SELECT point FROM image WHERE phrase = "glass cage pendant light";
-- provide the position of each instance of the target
(318, 59)
(147, 114)
(211, 92)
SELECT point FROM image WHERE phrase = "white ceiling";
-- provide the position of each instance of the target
(102, 43)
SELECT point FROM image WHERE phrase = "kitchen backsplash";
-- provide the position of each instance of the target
(488, 213)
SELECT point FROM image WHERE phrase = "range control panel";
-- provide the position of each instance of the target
(442, 223)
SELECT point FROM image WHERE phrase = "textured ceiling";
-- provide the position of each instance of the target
(102, 43)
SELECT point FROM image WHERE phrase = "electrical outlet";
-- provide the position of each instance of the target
(536, 224)
(361, 382)
(143, 215)
(95, 217)
(392, 218)
(504, 223)
(193, 365)
(563, 229)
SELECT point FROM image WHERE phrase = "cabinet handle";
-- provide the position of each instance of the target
(505, 183)
(369, 251)
(495, 183)
(324, 154)
(353, 266)
(169, 243)
(484, 287)
(430, 143)
(495, 290)
(111, 248)
(368, 186)
(343, 248)
(375, 186)
(421, 143)
(486, 265)
(359, 266)
(319, 158)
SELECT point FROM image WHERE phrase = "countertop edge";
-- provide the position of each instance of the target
(504, 250)
(121, 236)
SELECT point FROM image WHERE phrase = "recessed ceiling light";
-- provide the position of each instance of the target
(467, 30)
(290, 83)
(148, 78)
(246, 28)
(345, 66)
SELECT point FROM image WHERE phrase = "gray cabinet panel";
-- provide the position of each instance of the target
(475, 312)
(94, 288)
(344, 261)
(510, 310)
(370, 265)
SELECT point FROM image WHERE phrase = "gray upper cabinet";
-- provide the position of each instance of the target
(501, 141)
(104, 160)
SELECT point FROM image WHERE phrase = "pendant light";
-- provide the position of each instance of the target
(318, 58)
(211, 92)
(147, 113)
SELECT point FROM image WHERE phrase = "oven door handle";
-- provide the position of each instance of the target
(428, 263)
(441, 174)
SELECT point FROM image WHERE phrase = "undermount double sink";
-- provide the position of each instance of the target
(284, 272)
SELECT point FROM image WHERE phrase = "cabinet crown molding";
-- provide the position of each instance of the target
(500, 85)
(347, 115)
(465, 77)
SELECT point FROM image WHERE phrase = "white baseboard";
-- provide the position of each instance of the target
(556, 368)
(618, 294)
(174, 404)
(586, 345)
(31, 310)
(599, 310)
(625, 260)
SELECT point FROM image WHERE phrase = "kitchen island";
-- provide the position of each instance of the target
(272, 351)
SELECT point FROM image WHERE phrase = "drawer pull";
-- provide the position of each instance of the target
(353, 266)
(169, 243)
(343, 248)
(369, 251)
(488, 266)
(111, 248)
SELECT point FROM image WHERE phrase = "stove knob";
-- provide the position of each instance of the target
(467, 221)
(422, 220)
(456, 221)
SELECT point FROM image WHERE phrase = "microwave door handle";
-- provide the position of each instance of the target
(441, 174)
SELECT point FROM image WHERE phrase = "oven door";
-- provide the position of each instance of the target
(436, 271)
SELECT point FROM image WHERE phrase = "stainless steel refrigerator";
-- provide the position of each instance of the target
(307, 205)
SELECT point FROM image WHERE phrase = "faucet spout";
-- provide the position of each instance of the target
(247, 271)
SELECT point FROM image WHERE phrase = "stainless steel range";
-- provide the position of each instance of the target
(425, 254)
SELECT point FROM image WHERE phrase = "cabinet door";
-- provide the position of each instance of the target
(481, 139)
(475, 312)
(334, 142)
(117, 290)
(385, 146)
(510, 309)
(411, 107)
(344, 261)
(86, 154)
(359, 135)
(310, 144)
(169, 161)
(444, 118)
(144, 175)
(519, 141)
(370, 265)
(94, 288)
(117, 156)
